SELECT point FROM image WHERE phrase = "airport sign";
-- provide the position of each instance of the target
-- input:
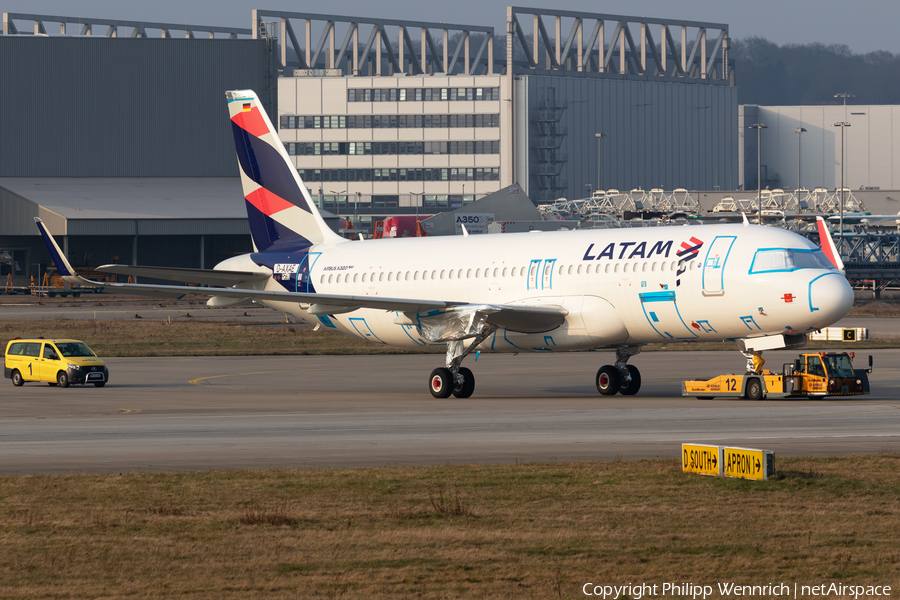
(748, 463)
(701, 458)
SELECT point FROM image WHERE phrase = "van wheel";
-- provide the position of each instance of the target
(99, 384)
(754, 389)
(17, 378)
(62, 379)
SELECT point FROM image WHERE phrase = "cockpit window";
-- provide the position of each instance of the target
(788, 259)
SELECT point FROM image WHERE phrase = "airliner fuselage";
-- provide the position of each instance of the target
(619, 286)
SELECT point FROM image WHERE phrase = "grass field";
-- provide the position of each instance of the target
(513, 531)
(204, 338)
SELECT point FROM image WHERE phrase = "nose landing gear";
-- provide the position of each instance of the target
(622, 378)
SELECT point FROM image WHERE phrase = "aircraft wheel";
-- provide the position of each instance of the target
(754, 389)
(631, 388)
(62, 379)
(607, 380)
(17, 378)
(468, 384)
(441, 383)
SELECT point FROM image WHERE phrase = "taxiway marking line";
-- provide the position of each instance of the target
(199, 379)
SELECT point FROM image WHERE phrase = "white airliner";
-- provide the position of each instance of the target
(518, 292)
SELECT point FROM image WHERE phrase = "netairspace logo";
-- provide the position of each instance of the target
(733, 590)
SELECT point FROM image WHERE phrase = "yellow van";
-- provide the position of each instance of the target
(58, 362)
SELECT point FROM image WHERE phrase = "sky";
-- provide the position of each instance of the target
(862, 25)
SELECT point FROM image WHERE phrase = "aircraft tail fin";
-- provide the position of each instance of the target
(279, 207)
(828, 246)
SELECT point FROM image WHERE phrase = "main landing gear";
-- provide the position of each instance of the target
(454, 379)
(621, 377)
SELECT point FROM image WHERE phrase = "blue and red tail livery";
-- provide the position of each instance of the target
(280, 210)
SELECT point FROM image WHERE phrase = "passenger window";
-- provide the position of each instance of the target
(469, 274)
(391, 276)
(477, 273)
(496, 272)
(504, 271)
(450, 274)
(570, 269)
(329, 278)
(407, 276)
(415, 276)
(322, 279)
(459, 274)
(579, 269)
(561, 269)
(606, 270)
(442, 274)
(644, 268)
(626, 267)
(356, 277)
(653, 266)
(381, 276)
(50, 352)
(616, 268)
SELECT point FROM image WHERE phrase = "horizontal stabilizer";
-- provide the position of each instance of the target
(200, 276)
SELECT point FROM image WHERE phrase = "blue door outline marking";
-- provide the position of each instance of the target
(538, 270)
(811, 307)
(534, 271)
(310, 259)
(548, 265)
(661, 300)
(355, 321)
(749, 319)
(713, 274)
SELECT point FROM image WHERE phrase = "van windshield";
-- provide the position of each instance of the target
(74, 349)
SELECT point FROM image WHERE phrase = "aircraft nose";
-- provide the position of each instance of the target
(830, 298)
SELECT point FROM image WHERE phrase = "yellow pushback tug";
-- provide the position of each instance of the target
(817, 374)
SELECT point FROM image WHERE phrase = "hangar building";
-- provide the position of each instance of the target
(381, 117)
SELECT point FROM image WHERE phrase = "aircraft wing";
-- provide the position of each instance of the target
(201, 276)
(521, 318)
(864, 219)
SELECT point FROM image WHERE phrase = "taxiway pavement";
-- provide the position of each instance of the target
(195, 414)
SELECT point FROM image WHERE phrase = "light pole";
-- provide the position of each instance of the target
(843, 125)
(334, 195)
(799, 131)
(356, 211)
(758, 127)
(844, 95)
(599, 137)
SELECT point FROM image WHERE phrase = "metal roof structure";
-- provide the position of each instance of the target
(86, 27)
(123, 206)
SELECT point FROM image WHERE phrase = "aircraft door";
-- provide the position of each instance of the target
(541, 277)
(547, 280)
(533, 269)
(662, 313)
(304, 281)
(714, 266)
